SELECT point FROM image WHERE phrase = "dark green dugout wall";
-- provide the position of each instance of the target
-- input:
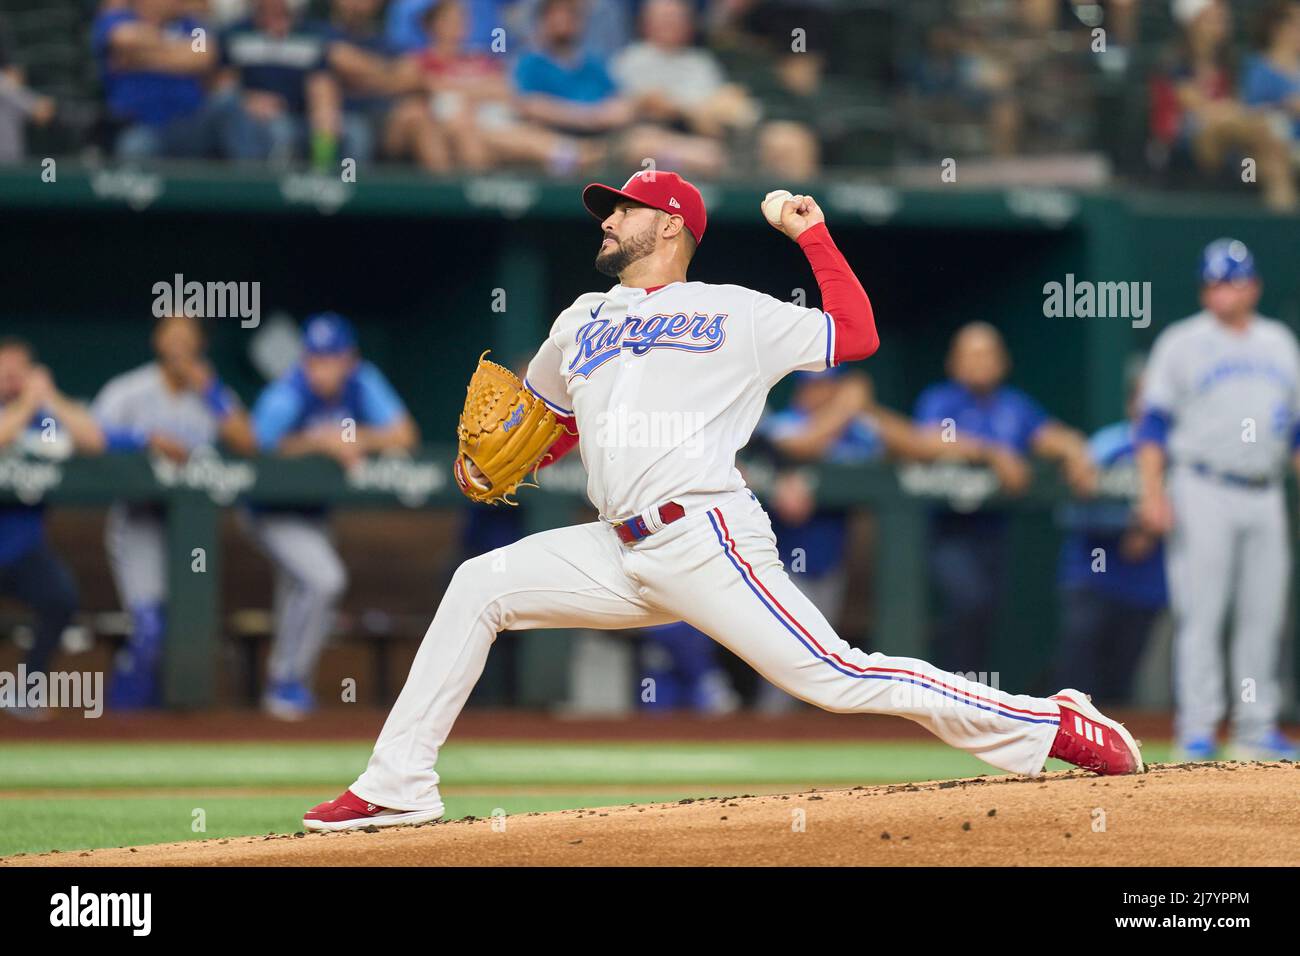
(422, 292)
(417, 267)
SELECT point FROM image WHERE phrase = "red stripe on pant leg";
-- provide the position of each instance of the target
(731, 544)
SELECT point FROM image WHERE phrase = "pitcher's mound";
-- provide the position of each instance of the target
(1209, 814)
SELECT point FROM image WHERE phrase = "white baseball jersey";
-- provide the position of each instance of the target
(667, 386)
(1221, 387)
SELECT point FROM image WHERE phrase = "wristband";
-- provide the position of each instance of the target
(218, 401)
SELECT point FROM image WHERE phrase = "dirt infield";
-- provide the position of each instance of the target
(1218, 814)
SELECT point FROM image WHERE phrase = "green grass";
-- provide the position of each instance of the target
(72, 824)
(302, 774)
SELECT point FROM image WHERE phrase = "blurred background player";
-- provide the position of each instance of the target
(1109, 608)
(170, 407)
(687, 671)
(336, 404)
(1221, 411)
(1000, 426)
(36, 418)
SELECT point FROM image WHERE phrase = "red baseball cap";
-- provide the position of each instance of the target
(657, 189)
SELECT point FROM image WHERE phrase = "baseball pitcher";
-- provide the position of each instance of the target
(1221, 406)
(659, 381)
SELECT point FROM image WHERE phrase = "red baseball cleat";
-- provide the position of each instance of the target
(1092, 741)
(350, 812)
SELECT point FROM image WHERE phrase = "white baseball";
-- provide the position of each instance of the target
(773, 203)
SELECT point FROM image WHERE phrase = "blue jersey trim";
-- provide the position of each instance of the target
(558, 409)
(1153, 427)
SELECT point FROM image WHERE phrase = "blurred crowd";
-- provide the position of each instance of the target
(441, 84)
(1182, 92)
(333, 402)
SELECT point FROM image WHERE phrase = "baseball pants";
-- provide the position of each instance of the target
(1229, 546)
(309, 581)
(43, 582)
(136, 541)
(718, 570)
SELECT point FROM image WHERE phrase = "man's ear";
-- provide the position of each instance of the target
(673, 225)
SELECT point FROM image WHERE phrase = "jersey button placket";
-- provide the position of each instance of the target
(616, 391)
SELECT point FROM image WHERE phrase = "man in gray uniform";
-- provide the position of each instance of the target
(170, 407)
(1220, 407)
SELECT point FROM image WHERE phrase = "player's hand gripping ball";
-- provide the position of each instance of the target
(791, 214)
(503, 434)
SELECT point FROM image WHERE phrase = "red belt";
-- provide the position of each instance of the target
(634, 529)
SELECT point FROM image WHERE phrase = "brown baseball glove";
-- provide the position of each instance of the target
(503, 434)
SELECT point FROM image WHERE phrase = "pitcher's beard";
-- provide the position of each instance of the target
(615, 263)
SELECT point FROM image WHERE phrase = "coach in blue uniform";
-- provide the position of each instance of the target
(1000, 425)
(331, 403)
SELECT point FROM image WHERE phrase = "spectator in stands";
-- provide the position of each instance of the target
(560, 86)
(992, 422)
(779, 49)
(153, 66)
(331, 403)
(36, 418)
(1270, 81)
(1048, 61)
(1195, 110)
(408, 24)
(1109, 607)
(170, 407)
(832, 417)
(607, 26)
(288, 104)
(473, 105)
(383, 92)
(18, 104)
(676, 85)
(958, 98)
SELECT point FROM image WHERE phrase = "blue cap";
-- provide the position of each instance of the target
(1226, 260)
(328, 333)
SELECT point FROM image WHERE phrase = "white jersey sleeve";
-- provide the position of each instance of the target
(545, 378)
(1294, 350)
(114, 405)
(1162, 379)
(789, 338)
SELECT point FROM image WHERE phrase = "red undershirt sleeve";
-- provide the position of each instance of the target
(843, 297)
(564, 444)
